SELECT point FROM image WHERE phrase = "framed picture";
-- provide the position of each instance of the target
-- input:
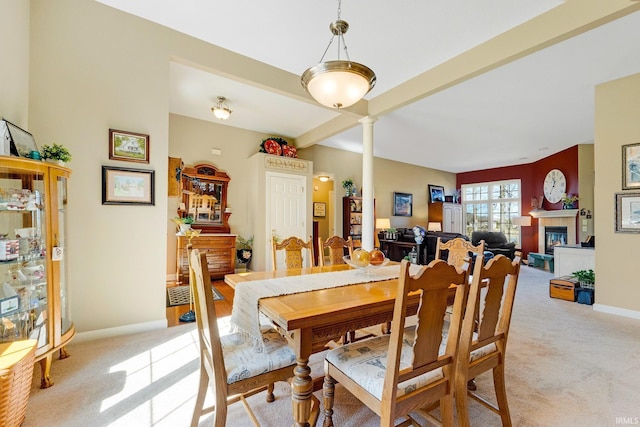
(627, 212)
(436, 193)
(124, 186)
(17, 141)
(319, 209)
(128, 146)
(9, 305)
(402, 204)
(631, 166)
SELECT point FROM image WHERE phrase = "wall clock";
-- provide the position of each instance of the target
(555, 185)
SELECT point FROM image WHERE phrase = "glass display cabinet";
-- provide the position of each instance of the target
(204, 198)
(33, 287)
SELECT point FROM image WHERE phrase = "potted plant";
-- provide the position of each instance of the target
(55, 154)
(587, 278)
(569, 201)
(347, 184)
(244, 249)
(183, 223)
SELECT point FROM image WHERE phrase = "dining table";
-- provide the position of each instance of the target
(309, 320)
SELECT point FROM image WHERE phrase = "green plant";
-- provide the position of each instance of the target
(55, 152)
(585, 276)
(184, 220)
(242, 243)
(347, 183)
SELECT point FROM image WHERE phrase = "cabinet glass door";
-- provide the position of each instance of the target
(58, 255)
(23, 266)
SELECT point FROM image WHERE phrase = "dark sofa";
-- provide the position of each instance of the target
(494, 242)
(428, 248)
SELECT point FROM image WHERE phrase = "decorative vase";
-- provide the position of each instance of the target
(55, 162)
(568, 206)
(244, 255)
(348, 191)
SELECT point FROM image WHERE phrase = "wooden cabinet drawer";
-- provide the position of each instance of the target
(220, 251)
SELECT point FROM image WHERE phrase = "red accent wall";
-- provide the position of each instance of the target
(532, 177)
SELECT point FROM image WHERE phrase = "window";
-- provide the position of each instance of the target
(490, 206)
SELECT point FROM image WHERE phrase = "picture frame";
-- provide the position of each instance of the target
(627, 213)
(319, 209)
(631, 166)
(17, 141)
(127, 186)
(128, 146)
(402, 204)
(9, 305)
(436, 193)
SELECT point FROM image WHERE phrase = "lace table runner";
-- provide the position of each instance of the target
(245, 312)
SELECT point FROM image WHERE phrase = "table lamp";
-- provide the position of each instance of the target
(382, 224)
(434, 226)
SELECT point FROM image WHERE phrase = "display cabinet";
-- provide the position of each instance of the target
(448, 214)
(33, 291)
(352, 219)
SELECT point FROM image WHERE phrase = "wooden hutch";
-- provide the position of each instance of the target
(204, 198)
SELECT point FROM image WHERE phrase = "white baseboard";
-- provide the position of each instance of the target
(120, 330)
(617, 311)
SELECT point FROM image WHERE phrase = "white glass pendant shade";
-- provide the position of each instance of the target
(221, 113)
(338, 84)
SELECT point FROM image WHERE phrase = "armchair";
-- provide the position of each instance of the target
(494, 242)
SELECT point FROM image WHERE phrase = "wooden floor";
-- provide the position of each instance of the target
(223, 307)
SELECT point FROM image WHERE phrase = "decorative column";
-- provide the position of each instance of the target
(368, 226)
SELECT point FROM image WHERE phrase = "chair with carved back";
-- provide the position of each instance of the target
(412, 367)
(231, 365)
(194, 204)
(336, 246)
(485, 329)
(293, 248)
(459, 250)
(206, 207)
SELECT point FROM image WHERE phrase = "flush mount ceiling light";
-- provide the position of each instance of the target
(323, 178)
(339, 83)
(221, 110)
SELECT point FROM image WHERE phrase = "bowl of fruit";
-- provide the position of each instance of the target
(364, 260)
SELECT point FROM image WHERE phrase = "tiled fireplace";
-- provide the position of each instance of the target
(559, 218)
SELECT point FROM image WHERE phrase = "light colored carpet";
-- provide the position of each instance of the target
(566, 366)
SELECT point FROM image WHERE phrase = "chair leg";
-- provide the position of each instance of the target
(446, 411)
(462, 403)
(328, 390)
(270, 396)
(202, 393)
(501, 395)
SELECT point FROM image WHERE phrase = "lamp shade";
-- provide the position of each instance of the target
(338, 84)
(383, 223)
(523, 221)
(434, 226)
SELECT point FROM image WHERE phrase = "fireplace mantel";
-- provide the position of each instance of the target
(558, 218)
(562, 213)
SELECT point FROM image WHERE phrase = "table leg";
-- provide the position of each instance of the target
(302, 385)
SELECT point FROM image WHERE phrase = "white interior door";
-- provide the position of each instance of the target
(286, 211)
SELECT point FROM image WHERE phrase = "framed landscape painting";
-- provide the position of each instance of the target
(631, 166)
(627, 213)
(128, 146)
(402, 204)
(436, 193)
(124, 186)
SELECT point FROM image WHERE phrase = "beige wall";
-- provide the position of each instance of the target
(322, 192)
(586, 178)
(616, 124)
(14, 71)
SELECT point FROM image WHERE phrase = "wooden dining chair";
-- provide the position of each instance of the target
(293, 247)
(485, 328)
(232, 365)
(409, 369)
(193, 205)
(459, 250)
(336, 246)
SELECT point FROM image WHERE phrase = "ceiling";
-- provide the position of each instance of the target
(517, 110)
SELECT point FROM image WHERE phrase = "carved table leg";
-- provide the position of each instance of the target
(45, 371)
(302, 385)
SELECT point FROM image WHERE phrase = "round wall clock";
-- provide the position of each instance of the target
(555, 185)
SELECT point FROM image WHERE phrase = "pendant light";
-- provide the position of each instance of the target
(221, 110)
(338, 83)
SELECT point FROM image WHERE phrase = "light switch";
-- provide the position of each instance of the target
(584, 222)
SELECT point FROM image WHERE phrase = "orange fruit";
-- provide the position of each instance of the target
(360, 257)
(376, 257)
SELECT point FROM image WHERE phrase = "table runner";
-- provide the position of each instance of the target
(245, 311)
